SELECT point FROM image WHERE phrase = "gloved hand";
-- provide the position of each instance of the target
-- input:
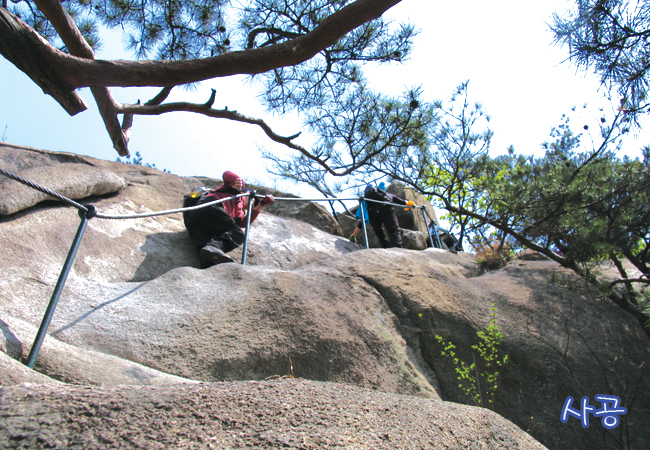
(353, 238)
(410, 203)
(267, 200)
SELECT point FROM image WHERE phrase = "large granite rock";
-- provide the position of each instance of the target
(13, 372)
(67, 363)
(71, 177)
(134, 249)
(270, 414)
(308, 304)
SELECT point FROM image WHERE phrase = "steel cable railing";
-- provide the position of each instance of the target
(87, 212)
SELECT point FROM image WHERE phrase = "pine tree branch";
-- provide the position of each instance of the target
(630, 280)
(622, 302)
(80, 72)
(30, 53)
(77, 46)
(153, 109)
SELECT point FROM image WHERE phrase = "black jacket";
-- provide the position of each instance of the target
(374, 193)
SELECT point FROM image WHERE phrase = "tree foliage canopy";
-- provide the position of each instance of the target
(578, 204)
(305, 52)
(364, 136)
(611, 37)
(584, 205)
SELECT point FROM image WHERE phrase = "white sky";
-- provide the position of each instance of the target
(503, 47)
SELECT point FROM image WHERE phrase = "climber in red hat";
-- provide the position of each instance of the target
(216, 230)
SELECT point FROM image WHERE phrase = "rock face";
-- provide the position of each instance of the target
(86, 181)
(138, 249)
(69, 364)
(412, 219)
(356, 328)
(13, 372)
(271, 414)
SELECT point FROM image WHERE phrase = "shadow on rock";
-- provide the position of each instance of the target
(95, 309)
(164, 252)
(13, 346)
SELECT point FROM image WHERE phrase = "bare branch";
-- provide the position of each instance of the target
(210, 101)
(161, 97)
(630, 280)
(206, 109)
(278, 34)
(127, 122)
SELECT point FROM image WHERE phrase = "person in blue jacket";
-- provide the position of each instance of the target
(357, 230)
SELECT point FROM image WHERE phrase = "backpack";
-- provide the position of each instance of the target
(374, 193)
(193, 198)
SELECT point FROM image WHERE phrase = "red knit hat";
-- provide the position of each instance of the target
(229, 179)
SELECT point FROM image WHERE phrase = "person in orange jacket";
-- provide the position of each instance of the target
(216, 230)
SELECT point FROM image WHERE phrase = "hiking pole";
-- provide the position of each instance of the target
(89, 213)
(251, 200)
(435, 229)
(363, 221)
(424, 216)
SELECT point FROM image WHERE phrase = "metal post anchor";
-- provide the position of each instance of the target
(49, 312)
(363, 221)
(251, 200)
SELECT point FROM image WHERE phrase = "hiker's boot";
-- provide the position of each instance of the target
(211, 255)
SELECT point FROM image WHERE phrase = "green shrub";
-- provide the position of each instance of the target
(479, 384)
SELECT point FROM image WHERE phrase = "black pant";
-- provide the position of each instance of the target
(385, 214)
(214, 226)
